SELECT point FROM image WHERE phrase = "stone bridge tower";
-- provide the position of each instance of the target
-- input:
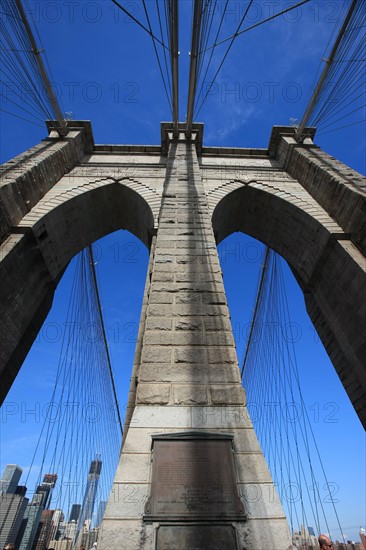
(191, 472)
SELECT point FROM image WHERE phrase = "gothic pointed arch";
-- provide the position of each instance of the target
(35, 257)
(328, 267)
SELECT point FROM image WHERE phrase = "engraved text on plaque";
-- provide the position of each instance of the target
(193, 477)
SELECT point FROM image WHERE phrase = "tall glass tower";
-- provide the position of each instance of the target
(87, 507)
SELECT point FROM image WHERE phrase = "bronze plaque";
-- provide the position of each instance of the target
(195, 537)
(193, 478)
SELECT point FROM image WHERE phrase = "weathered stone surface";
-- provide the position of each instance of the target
(133, 468)
(156, 354)
(225, 395)
(276, 535)
(131, 496)
(261, 501)
(164, 417)
(188, 338)
(222, 355)
(186, 372)
(159, 323)
(162, 298)
(252, 468)
(139, 440)
(192, 536)
(163, 277)
(183, 310)
(213, 324)
(153, 394)
(193, 394)
(188, 324)
(125, 535)
(220, 417)
(187, 298)
(187, 355)
(246, 441)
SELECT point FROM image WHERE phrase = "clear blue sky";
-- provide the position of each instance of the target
(105, 71)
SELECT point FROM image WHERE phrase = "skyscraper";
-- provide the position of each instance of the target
(57, 518)
(87, 508)
(12, 504)
(44, 531)
(75, 512)
(10, 479)
(40, 501)
(12, 509)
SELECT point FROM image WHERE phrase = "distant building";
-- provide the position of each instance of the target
(44, 531)
(64, 544)
(75, 512)
(40, 501)
(57, 519)
(13, 504)
(86, 513)
(61, 530)
(304, 539)
(70, 530)
(12, 510)
(10, 479)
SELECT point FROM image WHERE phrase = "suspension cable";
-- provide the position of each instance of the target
(104, 336)
(300, 131)
(258, 24)
(273, 387)
(62, 128)
(196, 31)
(257, 302)
(156, 54)
(225, 55)
(138, 23)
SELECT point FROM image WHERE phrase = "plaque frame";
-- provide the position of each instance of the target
(177, 524)
(221, 501)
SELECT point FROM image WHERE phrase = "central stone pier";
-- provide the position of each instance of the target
(191, 473)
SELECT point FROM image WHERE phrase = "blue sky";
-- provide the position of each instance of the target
(104, 70)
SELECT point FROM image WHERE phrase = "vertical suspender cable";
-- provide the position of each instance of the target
(174, 58)
(259, 294)
(62, 129)
(196, 31)
(105, 338)
(299, 136)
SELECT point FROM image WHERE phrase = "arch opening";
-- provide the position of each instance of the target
(328, 270)
(34, 262)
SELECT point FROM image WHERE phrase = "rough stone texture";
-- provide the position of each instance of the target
(275, 535)
(65, 193)
(188, 360)
(310, 209)
(192, 394)
(153, 394)
(27, 178)
(336, 187)
(227, 395)
(136, 534)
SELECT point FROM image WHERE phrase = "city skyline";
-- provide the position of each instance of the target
(33, 523)
(54, 525)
